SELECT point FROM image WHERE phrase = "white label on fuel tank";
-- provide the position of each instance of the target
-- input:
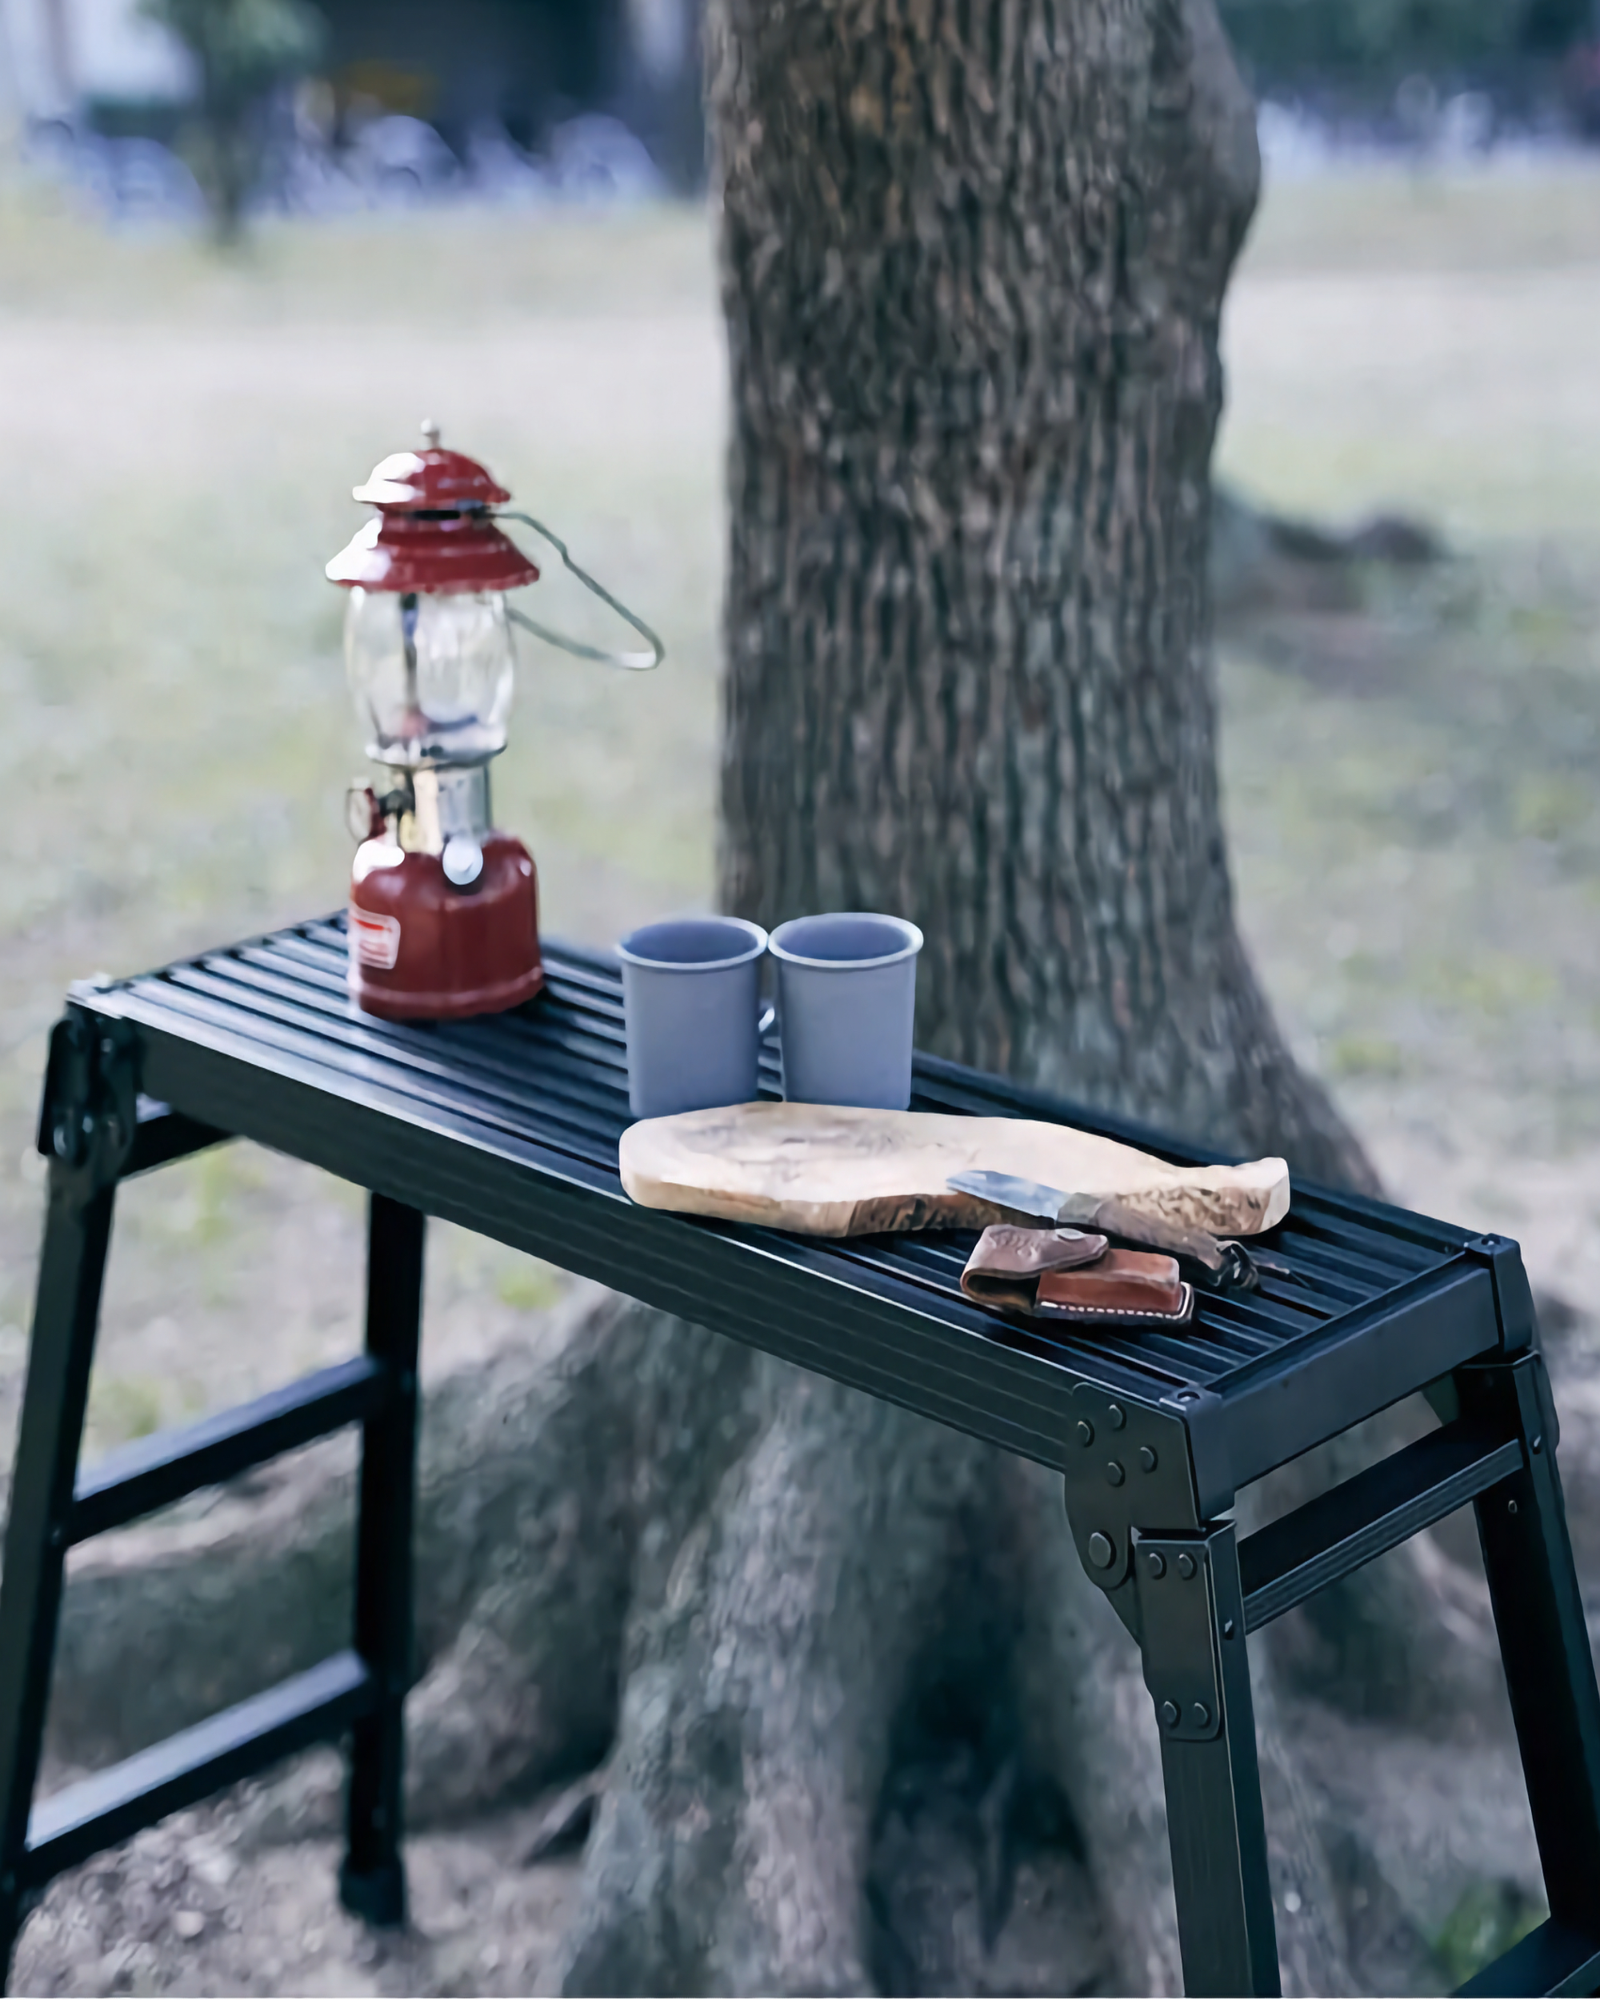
(374, 940)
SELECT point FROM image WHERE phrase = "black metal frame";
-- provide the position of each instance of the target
(96, 1131)
(510, 1127)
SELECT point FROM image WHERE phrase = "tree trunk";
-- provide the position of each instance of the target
(973, 261)
(228, 159)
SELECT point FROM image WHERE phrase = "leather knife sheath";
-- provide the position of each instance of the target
(1124, 1284)
(1009, 1262)
(1067, 1274)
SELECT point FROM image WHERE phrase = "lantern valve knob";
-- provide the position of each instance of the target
(363, 812)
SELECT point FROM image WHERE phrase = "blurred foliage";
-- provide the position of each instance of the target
(1382, 40)
(244, 47)
(243, 50)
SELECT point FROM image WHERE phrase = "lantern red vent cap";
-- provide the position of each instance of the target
(429, 480)
(433, 530)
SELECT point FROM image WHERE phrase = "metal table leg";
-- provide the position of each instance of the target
(86, 1130)
(1173, 1579)
(1550, 1677)
(372, 1881)
(1191, 1616)
(66, 1313)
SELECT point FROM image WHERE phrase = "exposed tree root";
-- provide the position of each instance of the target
(732, 1848)
(1263, 561)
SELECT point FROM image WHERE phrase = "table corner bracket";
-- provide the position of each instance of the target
(88, 1110)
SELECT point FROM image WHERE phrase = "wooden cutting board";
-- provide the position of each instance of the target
(826, 1171)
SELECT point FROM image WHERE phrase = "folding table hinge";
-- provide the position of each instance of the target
(89, 1111)
(1126, 1464)
(1176, 1588)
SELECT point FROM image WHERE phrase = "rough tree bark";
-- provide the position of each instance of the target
(973, 263)
(973, 258)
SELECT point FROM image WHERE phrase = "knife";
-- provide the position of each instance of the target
(1229, 1263)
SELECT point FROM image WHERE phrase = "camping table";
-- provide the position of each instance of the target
(509, 1126)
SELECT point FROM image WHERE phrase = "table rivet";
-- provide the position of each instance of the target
(1227, 1628)
(1538, 1444)
(1169, 1714)
(1157, 1564)
(1186, 1566)
(1114, 1474)
(1116, 1416)
(1147, 1457)
(1200, 1715)
(1511, 1506)
(1101, 1550)
(1085, 1431)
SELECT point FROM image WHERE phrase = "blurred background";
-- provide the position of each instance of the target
(247, 245)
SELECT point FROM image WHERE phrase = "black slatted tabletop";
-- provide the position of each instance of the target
(511, 1124)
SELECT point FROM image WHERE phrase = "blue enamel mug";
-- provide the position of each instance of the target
(691, 1000)
(846, 990)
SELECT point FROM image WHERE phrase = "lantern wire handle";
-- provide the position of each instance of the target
(635, 662)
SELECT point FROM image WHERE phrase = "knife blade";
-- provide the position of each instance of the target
(1033, 1198)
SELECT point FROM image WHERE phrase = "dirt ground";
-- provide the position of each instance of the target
(228, 1900)
(1409, 768)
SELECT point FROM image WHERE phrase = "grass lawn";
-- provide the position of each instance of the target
(1411, 787)
(1410, 784)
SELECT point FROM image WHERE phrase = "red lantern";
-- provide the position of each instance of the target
(443, 906)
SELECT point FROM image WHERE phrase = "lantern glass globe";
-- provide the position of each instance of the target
(430, 673)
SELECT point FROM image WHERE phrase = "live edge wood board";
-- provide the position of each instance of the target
(822, 1170)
